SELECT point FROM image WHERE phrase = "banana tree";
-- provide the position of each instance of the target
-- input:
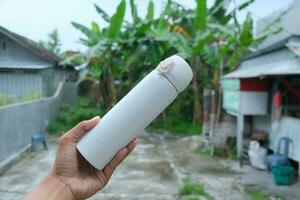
(232, 44)
(53, 44)
(103, 52)
(188, 34)
(210, 39)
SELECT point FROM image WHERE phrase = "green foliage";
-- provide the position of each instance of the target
(191, 197)
(227, 152)
(200, 20)
(191, 191)
(206, 152)
(257, 194)
(175, 123)
(53, 44)
(121, 54)
(31, 96)
(150, 13)
(114, 28)
(3, 100)
(70, 115)
(134, 12)
(11, 99)
(175, 126)
(102, 13)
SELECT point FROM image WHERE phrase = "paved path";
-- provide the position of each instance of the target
(155, 170)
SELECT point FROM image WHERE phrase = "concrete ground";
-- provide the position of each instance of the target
(155, 170)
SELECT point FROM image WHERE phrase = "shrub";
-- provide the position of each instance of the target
(178, 118)
(70, 115)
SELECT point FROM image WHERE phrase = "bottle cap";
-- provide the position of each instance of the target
(177, 71)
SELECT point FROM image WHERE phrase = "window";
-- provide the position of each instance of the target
(3, 46)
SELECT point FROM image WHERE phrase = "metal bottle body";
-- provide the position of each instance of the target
(127, 119)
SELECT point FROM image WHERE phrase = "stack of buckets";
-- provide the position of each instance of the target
(283, 174)
(281, 169)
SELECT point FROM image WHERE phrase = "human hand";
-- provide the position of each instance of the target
(77, 177)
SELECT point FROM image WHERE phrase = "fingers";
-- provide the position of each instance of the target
(131, 146)
(80, 129)
(118, 158)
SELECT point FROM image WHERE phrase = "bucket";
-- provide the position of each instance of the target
(283, 174)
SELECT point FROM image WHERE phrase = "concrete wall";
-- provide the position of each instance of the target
(19, 122)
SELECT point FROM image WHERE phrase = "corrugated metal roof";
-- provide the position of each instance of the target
(31, 45)
(285, 67)
(24, 66)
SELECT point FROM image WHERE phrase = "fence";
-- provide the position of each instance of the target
(19, 122)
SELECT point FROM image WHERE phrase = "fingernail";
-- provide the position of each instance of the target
(95, 117)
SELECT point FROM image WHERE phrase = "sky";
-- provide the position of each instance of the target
(35, 19)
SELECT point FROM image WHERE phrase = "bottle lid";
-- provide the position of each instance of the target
(177, 71)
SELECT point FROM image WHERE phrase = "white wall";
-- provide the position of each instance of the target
(253, 103)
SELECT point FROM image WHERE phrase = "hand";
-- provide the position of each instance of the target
(79, 178)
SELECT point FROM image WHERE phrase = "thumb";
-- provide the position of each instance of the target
(81, 128)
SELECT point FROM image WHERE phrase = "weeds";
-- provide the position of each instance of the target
(192, 191)
(257, 194)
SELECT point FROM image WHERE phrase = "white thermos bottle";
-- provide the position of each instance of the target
(127, 119)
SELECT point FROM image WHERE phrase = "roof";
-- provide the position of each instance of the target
(31, 45)
(25, 66)
(285, 67)
(273, 47)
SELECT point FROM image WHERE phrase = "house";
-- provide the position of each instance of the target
(28, 72)
(26, 68)
(250, 93)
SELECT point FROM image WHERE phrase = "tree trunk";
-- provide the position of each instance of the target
(197, 117)
(219, 111)
(96, 93)
(112, 89)
(103, 92)
(206, 110)
(217, 100)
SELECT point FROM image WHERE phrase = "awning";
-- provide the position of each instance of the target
(286, 67)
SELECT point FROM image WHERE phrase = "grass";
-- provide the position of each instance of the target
(174, 126)
(257, 194)
(11, 99)
(206, 152)
(228, 152)
(192, 191)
